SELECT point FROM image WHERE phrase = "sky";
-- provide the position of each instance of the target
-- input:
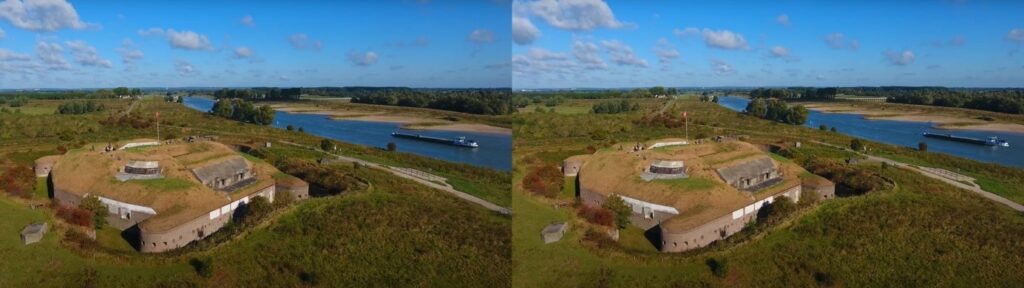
(95, 44)
(618, 43)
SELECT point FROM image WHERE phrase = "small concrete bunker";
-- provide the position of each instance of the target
(34, 232)
(554, 232)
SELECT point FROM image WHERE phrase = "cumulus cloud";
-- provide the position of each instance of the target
(243, 52)
(1015, 35)
(900, 58)
(52, 55)
(523, 30)
(184, 68)
(248, 21)
(721, 39)
(41, 15)
(541, 61)
(721, 68)
(622, 54)
(588, 54)
(572, 15)
(129, 53)
(838, 41)
(783, 19)
(362, 59)
(665, 52)
(86, 55)
(8, 55)
(480, 36)
(187, 40)
(781, 52)
(302, 41)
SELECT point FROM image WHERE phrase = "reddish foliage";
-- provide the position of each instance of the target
(75, 215)
(545, 180)
(18, 181)
(596, 215)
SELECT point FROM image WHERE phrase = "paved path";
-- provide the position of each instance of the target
(972, 188)
(399, 173)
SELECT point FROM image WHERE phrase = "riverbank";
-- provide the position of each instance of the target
(413, 120)
(939, 117)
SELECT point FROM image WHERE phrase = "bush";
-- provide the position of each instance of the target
(326, 145)
(618, 207)
(922, 146)
(856, 144)
(823, 127)
(18, 181)
(596, 215)
(75, 215)
(98, 210)
(719, 267)
(203, 267)
(545, 180)
(392, 146)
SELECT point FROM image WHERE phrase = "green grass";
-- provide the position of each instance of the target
(486, 192)
(164, 184)
(41, 192)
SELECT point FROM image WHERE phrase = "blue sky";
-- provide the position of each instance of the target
(589, 43)
(84, 44)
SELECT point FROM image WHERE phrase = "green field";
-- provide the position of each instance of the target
(923, 233)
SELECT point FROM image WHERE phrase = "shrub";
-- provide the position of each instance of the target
(719, 267)
(545, 180)
(18, 181)
(922, 146)
(98, 210)
(618, 207)
(823, 127)
(203, 267)
(326, 145)
(596, 215)
(392, 146)
(856, 144)
(75, 215)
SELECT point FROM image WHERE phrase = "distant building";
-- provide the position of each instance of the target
(34, 232)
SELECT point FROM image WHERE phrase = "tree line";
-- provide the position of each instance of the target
(241, 110)
(777, 110)
(995, 100)
(614, 107)
(72, 94)
(259, 94)
(802, 93)
(474, 101)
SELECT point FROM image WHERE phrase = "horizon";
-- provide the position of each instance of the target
(801, 43)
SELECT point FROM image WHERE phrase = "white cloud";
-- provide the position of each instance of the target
(523, 31)
(86, 55)
(622, 54)
(838, 41)
(187, 40)
(302, 41)
(779, 51)
(184, 68)
(129, 53)
(721, 68)
(248, 21)
(52, 54)
(8, 55)
(783, 19)
(665, 52)
(41, 15)
(243, 52)
(481, 36)
(900, 58)
(1015, 35)
(362, 59)
(543, 54)
(588, 54)
(572, 15)
(722, 39)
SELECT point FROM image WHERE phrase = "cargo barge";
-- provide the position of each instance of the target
(992, 141)
(461, 141)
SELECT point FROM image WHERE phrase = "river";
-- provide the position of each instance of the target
(495, 150)
(907, 133)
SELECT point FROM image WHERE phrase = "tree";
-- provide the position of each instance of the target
(203, 267)
(922, 146)
(392, 146)
(98, 210)
(620, 209)
(256, 210)
(757, 108)
(290, 127)
(822, 127)
(326, 145)
(719, 267)
(856, 145)
(833, 129)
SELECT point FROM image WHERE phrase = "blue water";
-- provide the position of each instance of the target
(905, 133)
(495, 150)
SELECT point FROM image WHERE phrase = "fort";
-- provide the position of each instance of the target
(692, 194)
(169, 194)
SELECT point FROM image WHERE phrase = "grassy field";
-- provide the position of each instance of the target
(396, 232)
(921, 233)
